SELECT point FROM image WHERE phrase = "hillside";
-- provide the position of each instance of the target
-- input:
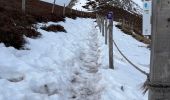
(72, 65)
(15, 24)
(54, 70)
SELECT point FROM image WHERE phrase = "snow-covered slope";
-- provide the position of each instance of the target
(58, 66)
(48, 67)
(73, 66)
(124, 82)
(79, 4)
(58, 2)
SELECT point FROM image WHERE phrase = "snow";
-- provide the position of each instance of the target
(58, 2)
(125, 82)
(58, 66)
(73, 66)
(79, 4)
(139, 2)
(48, 67)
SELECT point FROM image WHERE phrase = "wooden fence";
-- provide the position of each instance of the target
(106, 28)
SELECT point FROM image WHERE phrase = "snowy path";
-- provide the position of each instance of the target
(52, 64)
(85, 81)
(73, 66)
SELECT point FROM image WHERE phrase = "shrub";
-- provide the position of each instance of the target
(11, 39)
(29, 32)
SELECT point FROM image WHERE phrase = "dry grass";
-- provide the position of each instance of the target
(137, 36)
(54, 28)
(14, 24)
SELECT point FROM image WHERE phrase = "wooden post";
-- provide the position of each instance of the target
(123, 23)
(102, 24)
(132, 26)
(106, 35)
(160, 51)
(98, 21)
(64, 10)
(71, 11)
(81, 13)
(53, 7)
(111, 65)
(23, 6)
(126, 23)
(129, 25)
(76, 11)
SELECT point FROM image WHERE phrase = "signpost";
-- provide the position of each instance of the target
(110, 15)
(110, 27)
(147, 17)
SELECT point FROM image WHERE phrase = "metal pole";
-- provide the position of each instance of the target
(160, 52)
(23, 6)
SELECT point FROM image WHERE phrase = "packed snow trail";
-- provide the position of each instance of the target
(49, 67)
(85, 81)
(73, 65)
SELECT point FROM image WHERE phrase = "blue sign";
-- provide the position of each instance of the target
(146, 5)
(110, 15)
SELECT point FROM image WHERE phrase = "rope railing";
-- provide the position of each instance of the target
(130, 62)
(102, 23)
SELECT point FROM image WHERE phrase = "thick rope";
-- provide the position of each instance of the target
(130, 62)
(148, 84)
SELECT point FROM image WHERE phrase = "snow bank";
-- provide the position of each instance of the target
(79, 4)
(47, 67)
(124, 82)
(139, 2)
(58, 2)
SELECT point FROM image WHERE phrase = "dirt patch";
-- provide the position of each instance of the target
(12, 39)
(137, 36)
(54, 28)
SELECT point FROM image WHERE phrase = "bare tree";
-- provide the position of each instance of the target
(127, 4)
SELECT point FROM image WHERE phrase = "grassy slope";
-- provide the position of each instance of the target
(14, 24)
